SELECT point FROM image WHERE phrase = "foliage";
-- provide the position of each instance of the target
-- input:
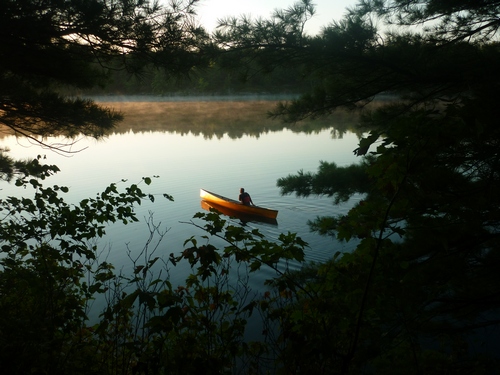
(47, 248)
(416, 294)
(51, 274)
(420, 286)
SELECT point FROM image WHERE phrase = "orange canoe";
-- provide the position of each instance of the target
(232, 204)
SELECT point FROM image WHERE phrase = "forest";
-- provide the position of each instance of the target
(418, 295)
(211, 80)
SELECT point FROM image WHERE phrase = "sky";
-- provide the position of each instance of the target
(326, 11)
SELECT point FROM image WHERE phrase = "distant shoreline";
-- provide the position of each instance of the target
(112, 98)
(191, 98)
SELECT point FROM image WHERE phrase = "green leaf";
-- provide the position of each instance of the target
(129, 300)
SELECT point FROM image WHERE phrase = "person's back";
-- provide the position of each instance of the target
(245, 198)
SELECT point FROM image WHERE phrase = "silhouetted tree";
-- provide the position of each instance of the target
(50, 45)
(421, 284)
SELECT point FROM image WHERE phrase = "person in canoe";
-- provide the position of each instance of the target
(245, 198)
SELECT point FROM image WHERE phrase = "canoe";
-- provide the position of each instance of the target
(235, 205)
(243, 217)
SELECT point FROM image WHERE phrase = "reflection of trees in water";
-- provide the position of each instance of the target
(218, 118)
(215, 119)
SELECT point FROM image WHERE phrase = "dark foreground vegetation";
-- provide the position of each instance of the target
(418, 295)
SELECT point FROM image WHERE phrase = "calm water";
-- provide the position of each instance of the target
(187, 161)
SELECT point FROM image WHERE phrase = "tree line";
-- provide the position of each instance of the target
(211, 80)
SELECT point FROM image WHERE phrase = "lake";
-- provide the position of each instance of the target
(216, 145)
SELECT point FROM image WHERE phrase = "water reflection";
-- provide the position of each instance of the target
(216, 119)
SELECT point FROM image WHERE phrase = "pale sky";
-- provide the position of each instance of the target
(326, 11)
